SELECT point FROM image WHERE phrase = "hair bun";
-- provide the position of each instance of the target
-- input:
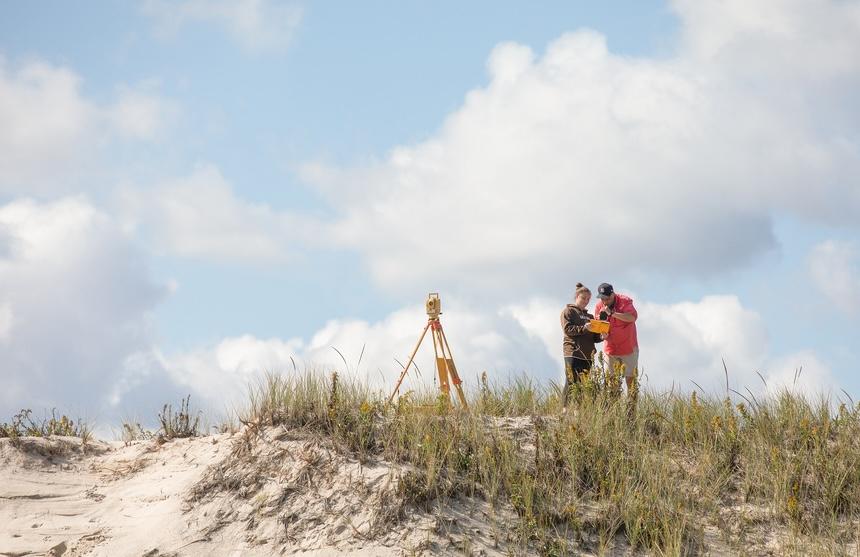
(579, 285)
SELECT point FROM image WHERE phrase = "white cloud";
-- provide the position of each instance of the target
(47, 125)
(835, 269)
(744, 37)
(479, 341)
(76, 302)
(223, 373)
(680, 344)
(51, 134)
(688, 341)
(140, 113)
(199, 216)
(801, 373)
(256, 25)
(582, 158)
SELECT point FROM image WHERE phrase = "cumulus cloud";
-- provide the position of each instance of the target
(51, 133)
(688, 342)
(75, 305)
(480, 341)
(583, 158)
(256, 25)
(835, 268)
(801, 373)
(199, 216)
(140, 113)
(682, 345)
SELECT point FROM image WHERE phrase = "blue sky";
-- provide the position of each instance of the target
(261, 179)
(355, 80)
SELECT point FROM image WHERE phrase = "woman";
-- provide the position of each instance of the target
(578, 339)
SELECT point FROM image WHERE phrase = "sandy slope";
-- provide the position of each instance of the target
(218, 496)
(113, 501)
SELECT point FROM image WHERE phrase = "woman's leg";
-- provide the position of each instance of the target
(580, 369)
(570, 378)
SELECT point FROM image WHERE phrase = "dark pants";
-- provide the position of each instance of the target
(574, 368)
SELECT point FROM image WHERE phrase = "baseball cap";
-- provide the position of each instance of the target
(605, 290)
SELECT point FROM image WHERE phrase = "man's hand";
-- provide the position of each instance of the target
(588, 327)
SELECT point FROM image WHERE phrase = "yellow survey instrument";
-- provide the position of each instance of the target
(444, 360)
(598, 326)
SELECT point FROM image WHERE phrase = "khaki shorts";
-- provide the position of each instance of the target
(629, 361)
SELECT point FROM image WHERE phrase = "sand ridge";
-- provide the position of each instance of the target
(222, 495)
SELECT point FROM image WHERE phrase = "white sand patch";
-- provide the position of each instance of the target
(210, 496)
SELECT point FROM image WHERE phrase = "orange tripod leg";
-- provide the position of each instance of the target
(452, 369)
(409, 363)
(441, 367)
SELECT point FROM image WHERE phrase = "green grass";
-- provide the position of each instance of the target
(658, 473)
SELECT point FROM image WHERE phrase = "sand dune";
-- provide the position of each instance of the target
(220, 495)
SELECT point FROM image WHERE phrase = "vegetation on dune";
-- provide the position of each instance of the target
(24, 424)
(176, 425)
(668, 474)
(172, 425)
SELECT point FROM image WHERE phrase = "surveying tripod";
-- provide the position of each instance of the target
(444, 360)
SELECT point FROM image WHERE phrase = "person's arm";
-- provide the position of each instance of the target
(628, 316)
(595, 336)
(572, 329)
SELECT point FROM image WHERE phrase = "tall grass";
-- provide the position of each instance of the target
(657, 471)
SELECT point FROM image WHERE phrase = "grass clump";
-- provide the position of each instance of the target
(23, 424)
(133, 431)
(174, 425)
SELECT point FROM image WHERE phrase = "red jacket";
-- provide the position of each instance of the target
(622, 335)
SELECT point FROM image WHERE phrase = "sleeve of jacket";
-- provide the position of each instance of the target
(596, 336)
(572, 324)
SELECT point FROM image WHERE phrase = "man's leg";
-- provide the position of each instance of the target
(631, 377)
(616, 371)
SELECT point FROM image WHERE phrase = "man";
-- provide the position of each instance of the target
(622, 346)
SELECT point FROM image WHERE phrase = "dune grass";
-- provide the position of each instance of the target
(25, 424)
(173, 424)
(668, 474)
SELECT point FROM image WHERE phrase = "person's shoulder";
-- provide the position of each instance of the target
(623, 299)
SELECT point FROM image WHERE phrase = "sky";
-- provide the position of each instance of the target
(195, 192)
